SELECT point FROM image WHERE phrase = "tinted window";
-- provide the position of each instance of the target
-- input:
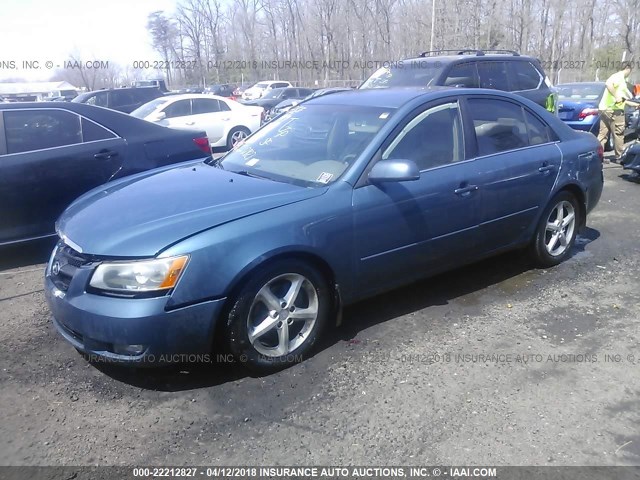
(205, 106)
(499, 125)
(493, 75)
(38, 129)
(303, 92)
(416, 74)
(524, 76)
(122, 97)
(464, 75)
(431, 139)
(538, 130)
(223, 106)
(279, 85)
(99, 99)
(92, 131)
(180, 108)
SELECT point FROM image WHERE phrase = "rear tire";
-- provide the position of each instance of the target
(556, 233)
(278, 315)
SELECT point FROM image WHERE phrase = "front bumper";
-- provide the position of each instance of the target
(101, 326)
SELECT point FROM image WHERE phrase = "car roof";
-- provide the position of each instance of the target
(375, 97)
(191, 96)
(466, 57)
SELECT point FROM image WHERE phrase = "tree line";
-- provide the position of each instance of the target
(329, 42)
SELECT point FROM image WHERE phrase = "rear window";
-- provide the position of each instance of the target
(524, 76)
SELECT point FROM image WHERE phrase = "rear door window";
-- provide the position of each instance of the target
(202, 105)
(120, 98)
(493, 75)
(92, 132)
(28, 130)
(499, 125)
(181, 108)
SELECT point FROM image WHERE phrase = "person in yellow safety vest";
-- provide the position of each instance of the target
(611, 109)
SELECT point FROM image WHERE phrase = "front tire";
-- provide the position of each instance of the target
(278, 315)
(556, 233)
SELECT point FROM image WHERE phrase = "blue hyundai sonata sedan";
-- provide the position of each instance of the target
(341, 198)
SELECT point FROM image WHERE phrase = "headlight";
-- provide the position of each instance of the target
(139, 276)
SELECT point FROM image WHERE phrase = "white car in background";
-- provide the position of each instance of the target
(226, 122)
(260, 88)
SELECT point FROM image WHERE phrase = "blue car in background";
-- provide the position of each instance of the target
(578, 105)
(341, 198)
(578, 108)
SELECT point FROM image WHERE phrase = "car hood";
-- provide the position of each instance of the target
(142, 217)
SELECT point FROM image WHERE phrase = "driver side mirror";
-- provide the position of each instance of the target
(400, 170)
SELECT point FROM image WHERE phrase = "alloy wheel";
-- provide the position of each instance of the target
(560, 227)
(283, 313)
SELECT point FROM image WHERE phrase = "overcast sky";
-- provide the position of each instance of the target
(51, 30)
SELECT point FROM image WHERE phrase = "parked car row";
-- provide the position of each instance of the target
(342, 195)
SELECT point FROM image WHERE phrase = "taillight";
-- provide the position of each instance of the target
(587, 112)
(203, 144)
(600, 152)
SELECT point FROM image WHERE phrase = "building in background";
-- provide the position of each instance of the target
(37, 91)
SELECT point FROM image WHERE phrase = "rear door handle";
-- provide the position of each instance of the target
(105, 155)
(464, 191)
(546, 168)
(190, 123)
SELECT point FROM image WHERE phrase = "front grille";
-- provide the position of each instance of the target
(64, 266)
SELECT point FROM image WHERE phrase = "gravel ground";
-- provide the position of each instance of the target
(496, 364)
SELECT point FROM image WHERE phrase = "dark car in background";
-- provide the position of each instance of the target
(122, 99)
(286, 105)
(355, 194)
(52, 152)
(222, 90)
(275, 96)
(495, 69)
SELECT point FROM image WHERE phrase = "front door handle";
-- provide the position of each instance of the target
(190, 123)
(105, 155)
(465, 191)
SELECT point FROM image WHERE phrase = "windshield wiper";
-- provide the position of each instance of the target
(247, 173)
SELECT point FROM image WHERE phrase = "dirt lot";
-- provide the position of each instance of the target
(494, 364)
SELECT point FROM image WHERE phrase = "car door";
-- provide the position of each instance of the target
(407, 229)
(207, 115)
(45, 165)
(518, 162)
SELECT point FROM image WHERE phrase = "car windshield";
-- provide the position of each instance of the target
(148, 108)
(578, 92)
(409, 74)
(310, 145)
(261, 85)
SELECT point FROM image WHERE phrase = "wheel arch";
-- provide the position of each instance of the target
(580, 196)
(310, 257)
